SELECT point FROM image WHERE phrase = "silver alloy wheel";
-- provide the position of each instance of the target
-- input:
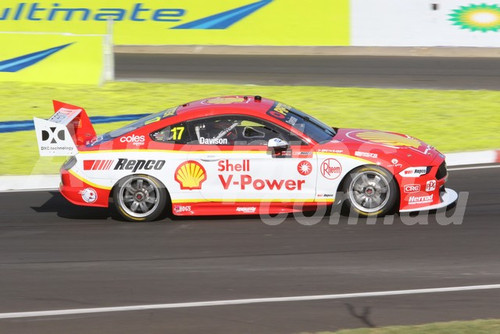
(369, 191)
(139, 197)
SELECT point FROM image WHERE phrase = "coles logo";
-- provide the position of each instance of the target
(330, 169)
(89, 195)
(304, 167)
(190, 175)
(412, 188)
(133, 139)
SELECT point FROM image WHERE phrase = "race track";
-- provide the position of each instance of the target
(55, 256)
(340, 71)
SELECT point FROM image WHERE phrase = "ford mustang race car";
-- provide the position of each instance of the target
(240, 155)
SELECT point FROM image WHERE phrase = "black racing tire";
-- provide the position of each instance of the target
(370, 191)
(140, 198)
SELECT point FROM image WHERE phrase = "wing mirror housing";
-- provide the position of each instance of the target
(279, 148)
(277, 143)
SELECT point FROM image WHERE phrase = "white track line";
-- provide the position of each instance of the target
(473, 167)
(243, 301)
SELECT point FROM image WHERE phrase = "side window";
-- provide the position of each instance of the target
(172, 134)
(237, 130)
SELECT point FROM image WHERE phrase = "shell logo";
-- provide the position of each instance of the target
(390, 139)
(190, 175)
(225, 100)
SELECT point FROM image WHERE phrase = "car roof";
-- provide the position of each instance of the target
(254, 103)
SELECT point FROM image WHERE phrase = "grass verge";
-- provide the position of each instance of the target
(450, 120)
(454, 327)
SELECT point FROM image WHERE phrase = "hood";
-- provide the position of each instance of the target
(387, 142)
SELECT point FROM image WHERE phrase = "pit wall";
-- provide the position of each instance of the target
(456, 23)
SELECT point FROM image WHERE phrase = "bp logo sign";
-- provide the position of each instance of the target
(481, 17)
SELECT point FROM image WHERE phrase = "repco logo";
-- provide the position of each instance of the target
(133, 139)
(135, 165)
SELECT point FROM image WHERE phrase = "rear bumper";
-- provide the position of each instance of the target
(448, 197)
(82, 192)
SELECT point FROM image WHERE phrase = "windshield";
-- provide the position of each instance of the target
(135, 125)
(310, 126)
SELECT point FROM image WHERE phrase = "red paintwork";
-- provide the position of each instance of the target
(71, 188)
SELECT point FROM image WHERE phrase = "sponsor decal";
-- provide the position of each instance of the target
(190, 175)
(421, 199)
(246, 181)
(133, 139)
(135, 165)
(366, 155)
(182, 208)
(89, 195)
(302, 155)
(246, 209)
(430, 185)
(388, 139)
(411, 188)
(279, 110)
(97, 164)
(213, 141)
(226, 100)
(324, 150)
(304, 167)
(395, 163)
(330, 169)
(226, 166)
(52, 136)
(481, 17)
(325, 195)
(413, 172)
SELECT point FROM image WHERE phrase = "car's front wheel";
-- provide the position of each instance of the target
(140, 198)
(371, 191)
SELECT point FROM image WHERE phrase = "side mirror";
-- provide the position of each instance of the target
(277, 143)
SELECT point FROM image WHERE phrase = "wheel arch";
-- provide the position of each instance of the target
(168, 205)
(347, 175)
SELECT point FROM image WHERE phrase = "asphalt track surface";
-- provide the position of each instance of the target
(54, 255)
(340, 71)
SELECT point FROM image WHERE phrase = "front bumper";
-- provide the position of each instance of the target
(448, 197)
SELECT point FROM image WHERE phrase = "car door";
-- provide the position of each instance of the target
(230, 155)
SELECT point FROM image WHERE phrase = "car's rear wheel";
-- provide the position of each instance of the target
(371, 191)
(140, 198)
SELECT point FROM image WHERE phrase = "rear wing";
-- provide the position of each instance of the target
(62, 133)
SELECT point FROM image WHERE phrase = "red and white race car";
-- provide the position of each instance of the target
(239, 155)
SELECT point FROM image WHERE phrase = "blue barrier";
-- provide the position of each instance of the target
(15, 126)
